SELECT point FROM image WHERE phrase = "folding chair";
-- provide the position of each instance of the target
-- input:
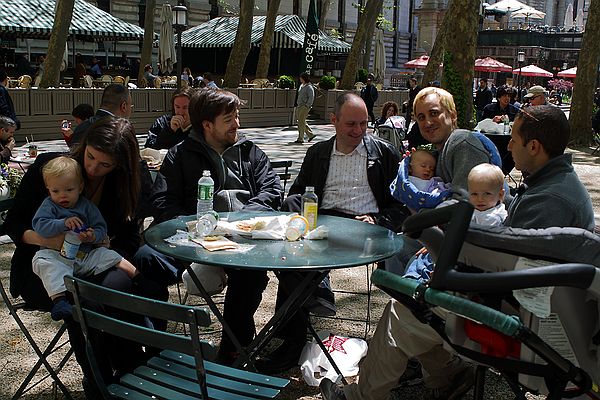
(53, 346)
(13, 308)
(181, 369)
(596, 142)
(285, 175)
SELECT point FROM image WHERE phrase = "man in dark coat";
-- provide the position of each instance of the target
(483, 97)
(244, 180)
(369, 95)
(7, 107)
(116, 101)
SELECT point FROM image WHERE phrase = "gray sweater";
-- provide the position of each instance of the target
(552, 196)
(462, 151)
(306, 95)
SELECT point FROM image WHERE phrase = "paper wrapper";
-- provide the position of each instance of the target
(320, 232)
(221, 243)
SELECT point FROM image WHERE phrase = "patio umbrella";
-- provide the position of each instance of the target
(569, 17)
(532, 70)
(167, 55)
(568, 73)
(528, 12)
(420, 62)
(379, 61)
(488, 64)
(579, 20)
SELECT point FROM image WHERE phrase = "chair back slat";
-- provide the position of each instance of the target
(140, 305)
(141, 334)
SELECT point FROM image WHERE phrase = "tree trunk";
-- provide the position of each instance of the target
(323, 10)
(348, 77)
(585, 81)
(437, 52)
(241, 46)
(57, 43)
(458, 68)
(146, 56)
(264, 58)
(369, 44)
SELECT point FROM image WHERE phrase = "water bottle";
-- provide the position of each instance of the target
(506, 124)
(310, 207)
(205, 216)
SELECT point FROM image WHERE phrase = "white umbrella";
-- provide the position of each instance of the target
(167, 55)
(528, 12)
(579, 19)
(569, 17)
(379, 63)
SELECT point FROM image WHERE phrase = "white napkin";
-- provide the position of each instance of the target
(489, 126)
(272, 228)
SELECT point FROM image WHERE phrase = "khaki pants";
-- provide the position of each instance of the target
(398, 337)
(301, 114)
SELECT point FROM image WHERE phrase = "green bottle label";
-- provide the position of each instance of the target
(205, 192)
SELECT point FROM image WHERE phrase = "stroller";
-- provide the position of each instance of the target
(523, 301)
(394, 131)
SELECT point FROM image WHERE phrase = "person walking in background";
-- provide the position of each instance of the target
(306, 97)
(7, 107)
(412, 93)
(483, 97)
(95, 69)
(369, 95)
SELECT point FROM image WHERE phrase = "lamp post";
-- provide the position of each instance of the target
(179, 25)
(520, 61)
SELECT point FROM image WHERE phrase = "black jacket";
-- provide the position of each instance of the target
(242, 167)
(382, 168)
(483, 98)
(7, 108)
(161, 136)
(124, 234)
(493, 109)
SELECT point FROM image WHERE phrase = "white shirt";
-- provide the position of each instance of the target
(347, 187)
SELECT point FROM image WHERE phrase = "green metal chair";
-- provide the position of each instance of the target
(181, 369)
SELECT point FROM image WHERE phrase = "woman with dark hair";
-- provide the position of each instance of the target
(110, 161)
(390, 108)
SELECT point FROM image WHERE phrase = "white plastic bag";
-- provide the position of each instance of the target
(212, 277)
(346, 352)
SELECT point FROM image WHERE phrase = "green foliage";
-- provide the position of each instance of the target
(453, 83)
(361, 75)
(286, 82)
(327, 82)
(382, 22)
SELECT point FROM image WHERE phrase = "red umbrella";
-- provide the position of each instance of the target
(532, 70)
(488, 64)
(568, 73)
(420, 62)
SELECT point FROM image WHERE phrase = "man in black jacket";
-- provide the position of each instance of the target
(244, 180)
(7, 107)
(369, 95)
(483, 97)
(170, 129)
(371, 164)
(116, 101)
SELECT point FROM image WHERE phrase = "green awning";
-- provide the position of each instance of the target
(289, 33)
(34, 19)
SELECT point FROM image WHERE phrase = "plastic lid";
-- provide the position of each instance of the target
(206, 173)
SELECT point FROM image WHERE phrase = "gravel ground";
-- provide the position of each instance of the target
(16, 357)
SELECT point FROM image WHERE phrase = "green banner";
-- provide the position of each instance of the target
(311, 40)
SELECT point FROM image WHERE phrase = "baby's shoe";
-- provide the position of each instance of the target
(61, 310)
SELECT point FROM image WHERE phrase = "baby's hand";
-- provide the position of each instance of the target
(87, 236)
(73, 223)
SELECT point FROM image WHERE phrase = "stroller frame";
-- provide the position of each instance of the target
(392, 134)
(420, 298)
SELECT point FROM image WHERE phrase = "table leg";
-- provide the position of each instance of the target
(213, 307)
(293, 303)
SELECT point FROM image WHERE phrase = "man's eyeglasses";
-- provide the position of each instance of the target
(528, 114)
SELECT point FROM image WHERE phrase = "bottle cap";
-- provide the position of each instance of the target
(310, 188)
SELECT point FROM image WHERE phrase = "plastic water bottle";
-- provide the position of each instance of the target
(506, 124)
(206, 217)
(310, 207)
